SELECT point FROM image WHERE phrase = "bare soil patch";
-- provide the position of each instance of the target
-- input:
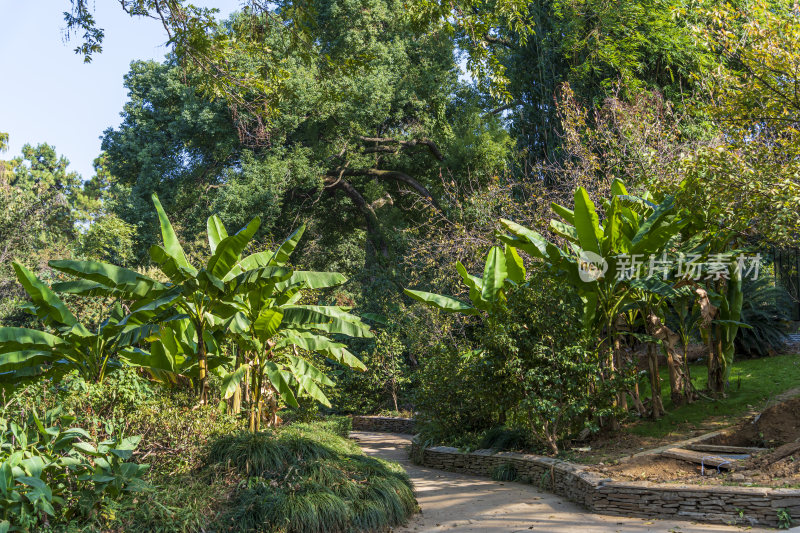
(777, 425)
(777, 428)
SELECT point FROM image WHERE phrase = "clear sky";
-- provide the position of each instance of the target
(48, 95)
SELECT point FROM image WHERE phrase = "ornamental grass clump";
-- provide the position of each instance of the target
(306, 479)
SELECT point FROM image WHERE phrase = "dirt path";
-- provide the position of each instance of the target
(459, 502)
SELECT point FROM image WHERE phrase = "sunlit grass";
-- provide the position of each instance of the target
(753, 383)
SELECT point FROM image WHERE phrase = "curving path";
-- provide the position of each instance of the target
(461, 502)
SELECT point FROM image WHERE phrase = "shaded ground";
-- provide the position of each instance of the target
(459, 502)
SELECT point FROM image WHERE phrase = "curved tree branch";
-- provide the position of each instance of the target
(334, 182)
(499, 40)
(394, 175)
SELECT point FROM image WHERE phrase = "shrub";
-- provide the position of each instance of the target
(548, 376)
(766, 309)
(52, 472)
(501, 438)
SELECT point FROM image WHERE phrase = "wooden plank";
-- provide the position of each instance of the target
(710, 461)
(724, 449)
(680, 444)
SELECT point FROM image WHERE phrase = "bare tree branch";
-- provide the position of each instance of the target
(403, 144)
(394, 175)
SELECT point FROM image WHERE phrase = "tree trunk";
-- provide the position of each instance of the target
(202, 364)
(716, 367)
(679, 384)
(622, 397)
(236, 400)
(655, 382)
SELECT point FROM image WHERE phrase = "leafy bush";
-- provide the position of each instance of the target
(453, 397)
(50, 471)
(547, 370)
(306, 479)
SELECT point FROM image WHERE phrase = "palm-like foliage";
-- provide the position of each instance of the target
(28, 353)
(252, 299)
(765, 310)
(273, 331)
(503, 266)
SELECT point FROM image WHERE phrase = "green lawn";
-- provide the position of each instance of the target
(754, 382)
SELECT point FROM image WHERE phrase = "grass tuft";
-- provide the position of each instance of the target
(305, 479)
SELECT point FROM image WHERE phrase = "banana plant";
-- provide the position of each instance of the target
(503, 267)
(721, 335)
(200, 296)
(27, 354)
(595, 255)
(274, 331)
(252, 298)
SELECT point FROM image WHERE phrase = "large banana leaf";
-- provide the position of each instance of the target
(514, 265)
(284, 252)
(228, 251)
(330, 319)
(19, 339)
(260, 277)
(309, 378)
(172, 247)
(444, 303)
(565, 230)
(48, 306)
(312, 280)
(232, 380)
(279, 381)
(587, 222)
(268, 322)
(216, 232)
(318, 343)
(494, 275)
(120, 280)
(525, 239)
(567, 214)
(475, 285)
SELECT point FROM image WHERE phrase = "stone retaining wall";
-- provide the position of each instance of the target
(387, 424)
(754, 506)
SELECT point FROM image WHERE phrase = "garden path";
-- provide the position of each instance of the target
(460, 502)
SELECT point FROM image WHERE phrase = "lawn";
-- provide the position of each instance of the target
(753, 384)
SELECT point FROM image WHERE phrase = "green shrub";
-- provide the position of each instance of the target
(51, 472)
(525, 369)
(766, 309)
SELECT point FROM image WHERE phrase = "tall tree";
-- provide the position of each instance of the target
(348, 146)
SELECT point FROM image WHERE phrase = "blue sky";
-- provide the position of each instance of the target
(48, 95)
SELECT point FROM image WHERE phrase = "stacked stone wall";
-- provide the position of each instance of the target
(386, 424)
(755, 506)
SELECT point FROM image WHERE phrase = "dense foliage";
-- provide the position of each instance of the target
(536, 150)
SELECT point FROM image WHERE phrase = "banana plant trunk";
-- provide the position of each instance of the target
(655, 382)
(723, 337)
(202, 363)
